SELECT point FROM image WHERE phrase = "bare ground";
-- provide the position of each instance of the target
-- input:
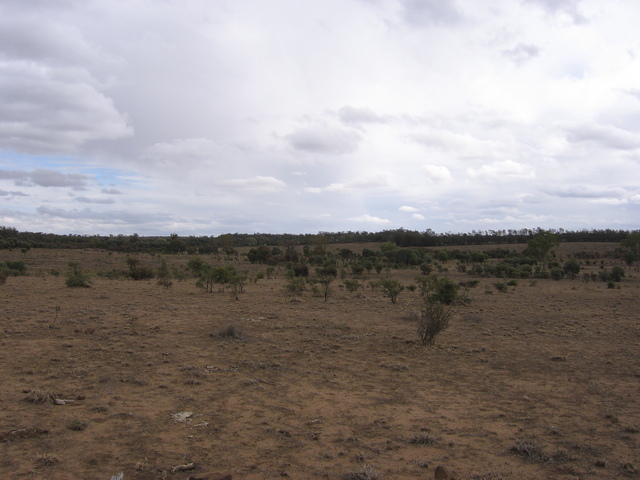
(541, 382)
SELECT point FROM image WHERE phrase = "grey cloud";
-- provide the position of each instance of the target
(117, 216)
(13, 174)
(57, 109)
(326, 140)
(50, 178)
(605, 135)
(111, 191)
(103, 201)
(568, 7)
(4, 193)
(46, 178)
(521, 53)
(420, 13)
(353, 115)
(586, 191)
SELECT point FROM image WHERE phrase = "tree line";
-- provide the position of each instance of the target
(11, 238)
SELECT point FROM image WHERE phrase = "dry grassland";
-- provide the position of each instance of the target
(540, 382)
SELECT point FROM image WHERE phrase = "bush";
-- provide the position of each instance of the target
(446, 291)
(351, 285)
(556, 273)
(16, 267)
(501, 287)
(75, 278)
(571, 268)
(391, 289)
(434, 318)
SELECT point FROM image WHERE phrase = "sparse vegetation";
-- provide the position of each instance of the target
(344, 377)
(77, 278)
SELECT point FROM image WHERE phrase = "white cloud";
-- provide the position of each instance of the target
(406, 208)
(370, 219)
(438, 173)
(255, 186)
(418, 216)
(504, 169)
(375, 182)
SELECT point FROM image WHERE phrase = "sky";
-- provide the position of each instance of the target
(204, 117)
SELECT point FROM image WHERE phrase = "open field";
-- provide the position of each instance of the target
(540, 382)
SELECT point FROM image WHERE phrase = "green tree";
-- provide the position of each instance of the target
(539, 247)
(632, 242)
(571, 268)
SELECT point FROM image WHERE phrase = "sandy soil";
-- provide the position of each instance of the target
(540, 382)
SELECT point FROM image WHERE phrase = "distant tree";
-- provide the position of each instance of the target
(539, 247)
(175, 245)
(632, 242)
(571, 268)
(325, 276)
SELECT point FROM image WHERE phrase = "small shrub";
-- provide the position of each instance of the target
(529, 449)
(77, 425)
(16, 267)
(365, 473)
(76, 278)
(434, 318)
(501, 287)
(231, 332)
(351, 285)
(423, 439)
(47, 460)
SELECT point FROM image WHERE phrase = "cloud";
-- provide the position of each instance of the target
(437, 173)
(407, 209)
(48, 109)
(117, 217)
(606, 136)
(47, 178)
(185, 154)
(355, 116)
(370, 219)
(103, 201)
(111, 191)
(358, 184)
(4, 193)
(424, 13)
(521, 53)
(507, 169)
(586, 191)
(417, 216)
(566, 7)
(448, 141)
(255, 186)
(324, 140)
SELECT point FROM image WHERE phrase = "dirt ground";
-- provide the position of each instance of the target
(540, 382)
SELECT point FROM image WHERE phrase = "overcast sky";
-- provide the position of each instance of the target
(203, 117)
